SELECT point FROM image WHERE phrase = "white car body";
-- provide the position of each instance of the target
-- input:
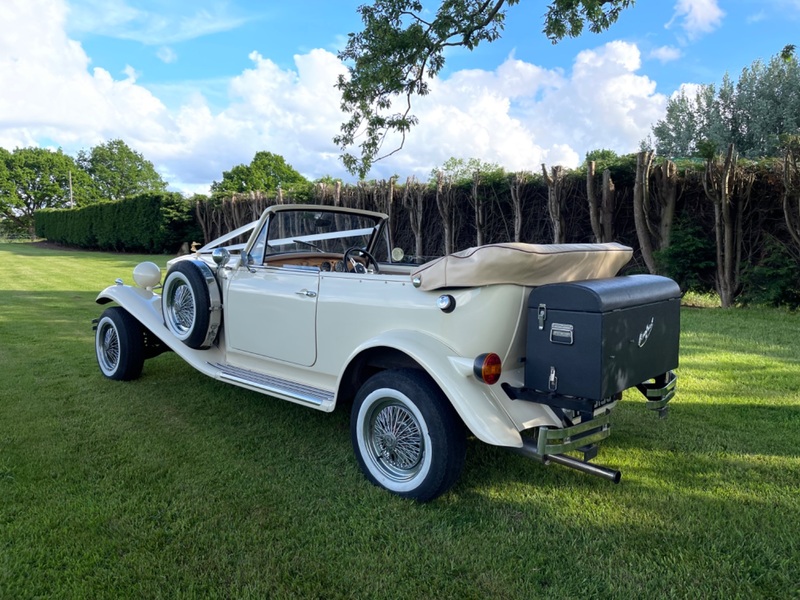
(288, 325)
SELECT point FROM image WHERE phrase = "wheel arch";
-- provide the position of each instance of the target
(472, 401)
(367, 363)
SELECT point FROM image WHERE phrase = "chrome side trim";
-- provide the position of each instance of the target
(275, 385)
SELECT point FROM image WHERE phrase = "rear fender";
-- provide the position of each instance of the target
(472, 400)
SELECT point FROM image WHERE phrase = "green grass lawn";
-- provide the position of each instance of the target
(177, 486)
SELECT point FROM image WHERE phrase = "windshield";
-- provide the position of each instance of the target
(319, 230)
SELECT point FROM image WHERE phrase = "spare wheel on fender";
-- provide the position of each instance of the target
(191, 303)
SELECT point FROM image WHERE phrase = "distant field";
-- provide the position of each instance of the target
(176, 486)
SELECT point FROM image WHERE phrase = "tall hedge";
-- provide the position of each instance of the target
(156, 222)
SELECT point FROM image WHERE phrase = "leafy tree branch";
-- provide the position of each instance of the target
(398, 50)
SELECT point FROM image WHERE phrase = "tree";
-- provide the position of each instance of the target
(728, 187)
(400, 48)
(120, 172)
(555, 181)
(516, 183)
(654, 207)
(461, 171)
(445, 202)
(602, 158)
(413, 198)
(676, 134)
(480, 176)
(266, 173)
(791, 188)
(35, 178)
(751, 113)
(601, 214)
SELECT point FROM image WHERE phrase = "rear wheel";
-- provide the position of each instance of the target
(406, 436)
(119, 344)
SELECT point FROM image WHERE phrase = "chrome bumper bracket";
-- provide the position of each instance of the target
(659, 392)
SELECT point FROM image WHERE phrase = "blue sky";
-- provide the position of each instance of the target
(200, 86)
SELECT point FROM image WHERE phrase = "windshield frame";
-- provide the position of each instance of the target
(372, 229)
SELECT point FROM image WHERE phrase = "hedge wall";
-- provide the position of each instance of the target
(153, 223)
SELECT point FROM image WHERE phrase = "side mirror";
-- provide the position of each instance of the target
(221, 257)
(398, 255)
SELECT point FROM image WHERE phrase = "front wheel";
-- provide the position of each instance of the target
(406, 435)
(119, 344)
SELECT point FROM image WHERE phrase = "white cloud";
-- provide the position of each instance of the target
(166, 54)
(698, 17)
(520, 115)
(517, 115)
(49, 91)
(666, 54)
(159, 25)
(604, 104)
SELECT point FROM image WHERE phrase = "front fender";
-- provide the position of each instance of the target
(141, 303)
(145, 306)
(472, 399)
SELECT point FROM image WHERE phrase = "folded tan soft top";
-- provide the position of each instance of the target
(523, 264)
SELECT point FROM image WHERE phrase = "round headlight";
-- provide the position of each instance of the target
(147, 275)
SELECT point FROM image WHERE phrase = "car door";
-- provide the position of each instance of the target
(271, 311)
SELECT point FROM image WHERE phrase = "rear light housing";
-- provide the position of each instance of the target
(487, 368)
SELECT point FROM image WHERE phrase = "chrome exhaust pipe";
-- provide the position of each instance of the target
(597, 470)
(529, 450)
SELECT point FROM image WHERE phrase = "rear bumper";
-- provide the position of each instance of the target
(550, 443)
(567, 439)
(660, 392)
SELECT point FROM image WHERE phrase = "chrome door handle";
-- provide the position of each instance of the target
(308, 293)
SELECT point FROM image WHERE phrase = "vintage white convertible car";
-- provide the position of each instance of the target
(523, 346)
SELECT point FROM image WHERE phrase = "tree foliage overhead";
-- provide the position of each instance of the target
(35, 178)
(119, 171)
(400, 48)
(753, 113)
(462, 171)
(265, 173)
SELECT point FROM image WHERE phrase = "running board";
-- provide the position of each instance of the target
(274, 385)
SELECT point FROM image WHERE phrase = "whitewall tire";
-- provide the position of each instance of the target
(119, 344)
(406, 436)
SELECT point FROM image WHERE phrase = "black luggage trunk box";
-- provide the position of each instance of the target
(593, 339)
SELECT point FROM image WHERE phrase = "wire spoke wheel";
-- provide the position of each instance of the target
(180, 307)
(119, 344)
(406, 436)
(395, 441)
(108, 347)
(191, 304)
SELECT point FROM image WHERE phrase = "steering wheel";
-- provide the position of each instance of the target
(367, 256)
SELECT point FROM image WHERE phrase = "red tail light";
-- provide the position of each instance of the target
(487, 368)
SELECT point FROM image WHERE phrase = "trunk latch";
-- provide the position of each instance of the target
(542, 316)
(552, 381)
